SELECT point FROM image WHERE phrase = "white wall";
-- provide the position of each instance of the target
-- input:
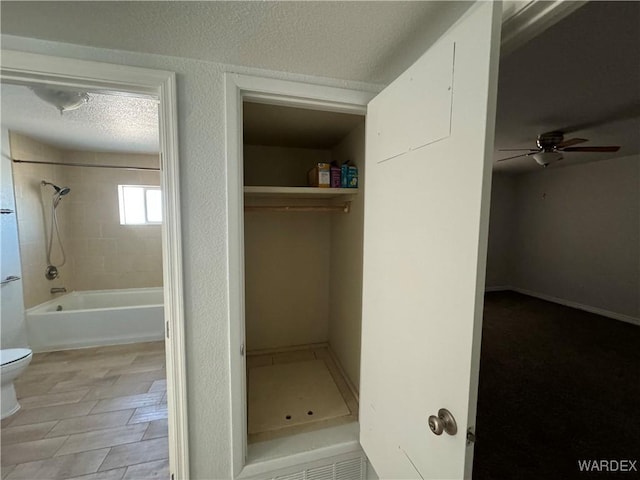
(201, 114)
(286, 255)
(345, 317)
(286, 279)
(12, 321)
(578, 234)
(570, 234)
(501, 232)
(280, 166)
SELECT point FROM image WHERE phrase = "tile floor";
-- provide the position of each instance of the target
(92, 414)
(296, 391)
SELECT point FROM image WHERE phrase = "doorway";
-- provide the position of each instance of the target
(20, 69)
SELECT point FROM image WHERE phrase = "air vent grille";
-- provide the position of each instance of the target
(320, 473)
(292, 476)
(349, 470)
(352, 469)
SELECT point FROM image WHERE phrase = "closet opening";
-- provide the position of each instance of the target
(302, 273)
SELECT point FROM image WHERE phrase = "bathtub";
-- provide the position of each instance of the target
(96, 317)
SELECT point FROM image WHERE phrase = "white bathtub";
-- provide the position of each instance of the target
(96, 317)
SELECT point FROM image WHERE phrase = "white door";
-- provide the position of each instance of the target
(427, 193)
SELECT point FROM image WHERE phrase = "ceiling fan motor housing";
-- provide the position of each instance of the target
(549, 141)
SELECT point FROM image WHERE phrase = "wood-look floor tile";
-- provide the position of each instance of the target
(48, 367)
(6, 421)
(6, 470)
(76, 406)
(30, 376)
(158, 385)
(61, 467)
(32, 388)
(148, 414)
(30, 451)
(148, 471)
(137, 348)
(28, 385)
(79, 383)
(142, 377)
(150, 357)
(157, 428)
(51, 399)
(105, 361)
(141, 368)
(57, 412)
(39, 357)
(26, 433)
(90, 423)
(83, 442)
(130, 401)
(122, 390)
(115, 474)
(140, 452)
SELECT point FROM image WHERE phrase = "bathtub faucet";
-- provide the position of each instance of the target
(58, 290)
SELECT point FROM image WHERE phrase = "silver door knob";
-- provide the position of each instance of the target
(444, 422)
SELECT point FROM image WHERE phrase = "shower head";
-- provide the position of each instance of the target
(61, 191)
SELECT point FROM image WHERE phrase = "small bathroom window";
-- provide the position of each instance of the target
(140, 205)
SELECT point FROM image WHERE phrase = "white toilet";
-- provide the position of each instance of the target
(14, 362)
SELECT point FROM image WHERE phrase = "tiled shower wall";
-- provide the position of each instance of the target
(101, 253)
(33, 218)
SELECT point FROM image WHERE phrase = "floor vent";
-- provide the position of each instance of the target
(352, 469)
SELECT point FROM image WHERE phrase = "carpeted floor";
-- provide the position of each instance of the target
(557, 385)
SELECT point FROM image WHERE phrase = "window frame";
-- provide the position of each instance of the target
(122, 207)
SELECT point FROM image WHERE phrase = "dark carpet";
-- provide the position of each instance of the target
(557, 385)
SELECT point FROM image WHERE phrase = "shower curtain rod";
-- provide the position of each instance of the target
(93, 165)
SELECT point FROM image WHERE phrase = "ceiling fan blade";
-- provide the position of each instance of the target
(571, 141)
(515, 156)
(518, 149)
(591, 149)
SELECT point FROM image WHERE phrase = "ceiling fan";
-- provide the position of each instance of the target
(550, 148)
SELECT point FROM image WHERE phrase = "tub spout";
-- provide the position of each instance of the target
(58, 290)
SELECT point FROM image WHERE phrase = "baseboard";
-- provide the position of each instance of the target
(499, 288)
(568, 303)
(350, 385)
(102, 342)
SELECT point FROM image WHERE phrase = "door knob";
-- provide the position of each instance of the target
(444, 422)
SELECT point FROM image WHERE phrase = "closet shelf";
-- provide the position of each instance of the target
(299, 192)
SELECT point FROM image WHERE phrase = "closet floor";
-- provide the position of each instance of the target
(296, 391)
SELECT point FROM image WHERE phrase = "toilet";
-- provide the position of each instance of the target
(14, 362)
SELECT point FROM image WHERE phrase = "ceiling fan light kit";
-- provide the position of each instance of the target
(552, 144)
(545, 158)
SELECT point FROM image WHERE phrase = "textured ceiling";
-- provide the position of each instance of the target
(581, 76)
(105, 123)
(363, 41)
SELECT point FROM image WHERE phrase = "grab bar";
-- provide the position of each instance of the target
(9, 279)
(5, 211)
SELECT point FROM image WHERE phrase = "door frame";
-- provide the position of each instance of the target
(21, 67)
(238, 88)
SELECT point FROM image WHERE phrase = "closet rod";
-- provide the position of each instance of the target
(346, 208)
(93, 165)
